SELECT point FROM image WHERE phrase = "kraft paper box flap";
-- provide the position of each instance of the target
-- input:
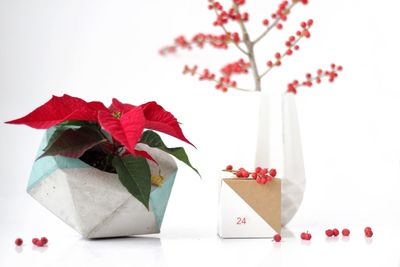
(263, 199)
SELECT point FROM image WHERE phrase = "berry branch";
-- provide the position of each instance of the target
(282, 15)
(218, 14)
(291, 43)
(244, 44)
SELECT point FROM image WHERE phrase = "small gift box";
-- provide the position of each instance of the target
(248, 209)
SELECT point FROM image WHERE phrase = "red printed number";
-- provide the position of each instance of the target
(241, 220)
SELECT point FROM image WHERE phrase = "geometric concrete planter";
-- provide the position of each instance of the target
(95, 203)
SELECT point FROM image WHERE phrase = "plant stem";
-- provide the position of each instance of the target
(250, 54)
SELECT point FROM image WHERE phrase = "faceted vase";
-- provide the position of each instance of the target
(95, 203)
(279, 146)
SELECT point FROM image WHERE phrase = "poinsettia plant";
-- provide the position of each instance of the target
(107, 137)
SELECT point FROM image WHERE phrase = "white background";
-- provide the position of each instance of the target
(103, 49)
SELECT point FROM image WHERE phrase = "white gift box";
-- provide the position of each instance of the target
(248, 209)
(95, 203)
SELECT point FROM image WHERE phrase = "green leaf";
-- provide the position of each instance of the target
(134, 174)
(72, 143)
(73, 123)
(152, 139)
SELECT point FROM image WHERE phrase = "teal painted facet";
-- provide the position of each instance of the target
(47, 165)
(159, 198)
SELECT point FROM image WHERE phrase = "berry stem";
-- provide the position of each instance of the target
(270, 27)
(196, 73)
(250, 49)
(284, 54)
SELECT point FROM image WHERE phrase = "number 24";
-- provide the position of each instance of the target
(241, 220)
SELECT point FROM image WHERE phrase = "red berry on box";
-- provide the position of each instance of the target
(19, 241)
(272, 172)
(254, 175)
(335, 232)
(258, 180)
(345, 232)
(263, 180)
(329, 233)
(263, 172)
(277, 238)
(245, 174)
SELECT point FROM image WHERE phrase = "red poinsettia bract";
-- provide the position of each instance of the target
(124, 122)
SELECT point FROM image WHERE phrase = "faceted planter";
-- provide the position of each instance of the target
(94, 202)
(248, 209)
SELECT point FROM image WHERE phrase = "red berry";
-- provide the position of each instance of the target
(254, 175)
(258, 169)
(265, 22)
(329, 233)
(345, 232)
(35, 240)
(310, 22)
(245, 174)
(367, 229)
(277, 238)
(19, 241)
(229, 167)
(303, 236)
(39, 243)
(258, 180)
(263, 180)
(279, 26)
(44, 240)
(335, 232)
(263, 172)
(369, 234)
(272, 172)
(306, 236)
(303, 24)
(239, 174)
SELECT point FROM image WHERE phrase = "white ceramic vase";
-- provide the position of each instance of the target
(279, 146)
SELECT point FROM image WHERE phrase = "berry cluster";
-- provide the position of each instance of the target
(200, 40)
(331, 75)
(261, 175)
(232, 14)
(291, 45)
(238, 67)
(36, 241)
(222, 83)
